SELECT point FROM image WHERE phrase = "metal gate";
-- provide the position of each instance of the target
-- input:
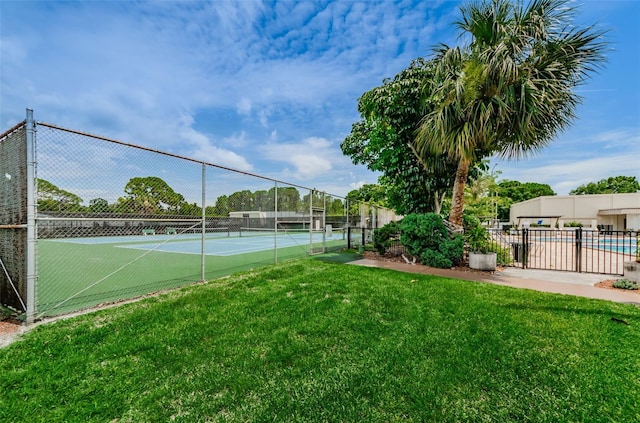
(572, 250)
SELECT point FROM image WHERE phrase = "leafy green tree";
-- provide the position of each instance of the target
(190, 209)
(612, 185)
(369, 193)
(221, 207)
(479, 193)
(245, 200)
(263, 200)
(372, 194)
(52, 198)
(241, 201)
(150, 195)
(510, 192)
(318, 201)
(288, 199)
(523, 191)
(382, 140)
(335, 206)
(99, 205)
(511, 90)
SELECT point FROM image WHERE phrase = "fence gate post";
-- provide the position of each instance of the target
(578, 262)
(525, 247)
(31, 219)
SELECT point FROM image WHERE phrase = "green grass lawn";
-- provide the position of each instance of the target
(310, 340)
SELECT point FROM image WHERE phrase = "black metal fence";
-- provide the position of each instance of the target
(572, 250)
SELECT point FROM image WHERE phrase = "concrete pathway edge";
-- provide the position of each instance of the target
(508, 278)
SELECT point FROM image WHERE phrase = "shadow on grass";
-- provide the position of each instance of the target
(572, 309)
(345, 256)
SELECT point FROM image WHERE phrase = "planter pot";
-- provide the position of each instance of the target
(480, 261)
(632, 270)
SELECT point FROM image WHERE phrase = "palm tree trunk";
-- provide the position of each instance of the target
(457, 203)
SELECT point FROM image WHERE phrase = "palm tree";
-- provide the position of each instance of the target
(510, 91)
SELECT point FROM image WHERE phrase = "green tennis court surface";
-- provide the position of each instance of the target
(78, 273)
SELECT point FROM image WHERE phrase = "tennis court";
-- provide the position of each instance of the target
(78, 273)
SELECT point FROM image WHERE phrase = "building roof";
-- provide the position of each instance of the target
(608, 212)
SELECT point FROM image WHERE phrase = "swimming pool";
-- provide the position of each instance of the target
(623, 246)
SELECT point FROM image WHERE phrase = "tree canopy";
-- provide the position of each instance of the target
(511, 89)
(383, 138)
(510, 192)
(150, 195)
(52, 198)
(612, 185)
(485, 197)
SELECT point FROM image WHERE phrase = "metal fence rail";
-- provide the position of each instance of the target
(112, 221)
(572, 250)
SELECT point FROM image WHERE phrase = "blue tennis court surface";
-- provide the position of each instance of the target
(218, 247)
(213, 245)
(137, 238)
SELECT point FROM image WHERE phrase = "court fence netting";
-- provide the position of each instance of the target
(86, 220)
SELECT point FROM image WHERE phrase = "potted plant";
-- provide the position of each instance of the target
(480, 255)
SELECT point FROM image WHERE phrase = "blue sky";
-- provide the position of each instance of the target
(272, 88)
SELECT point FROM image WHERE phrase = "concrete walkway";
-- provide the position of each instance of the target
(569, 283)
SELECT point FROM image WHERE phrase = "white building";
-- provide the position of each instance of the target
(615, 212)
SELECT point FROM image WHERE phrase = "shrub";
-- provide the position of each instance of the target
(503, 254)
(478, 239)
(426, 236)
(453, 249)
(573, 224)
(421, 232)
(470, 221)
(435, 259)
(626, 284)
(383, 236)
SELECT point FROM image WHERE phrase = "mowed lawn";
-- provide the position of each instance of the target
(309, 340)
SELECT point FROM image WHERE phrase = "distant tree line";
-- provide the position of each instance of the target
(612, 185)
(485, 197)
(152, 195)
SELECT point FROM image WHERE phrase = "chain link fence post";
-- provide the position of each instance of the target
(31, 219)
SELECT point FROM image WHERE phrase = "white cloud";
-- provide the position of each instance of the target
(310, 165)
(204, 150)
(310, 158)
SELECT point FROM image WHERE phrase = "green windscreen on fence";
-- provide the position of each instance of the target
(13, 217)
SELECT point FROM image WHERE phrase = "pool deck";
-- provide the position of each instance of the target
(558, 282)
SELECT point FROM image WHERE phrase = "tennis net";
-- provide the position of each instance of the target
(289, 232)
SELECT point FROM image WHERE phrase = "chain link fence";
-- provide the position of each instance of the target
(116, 221)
